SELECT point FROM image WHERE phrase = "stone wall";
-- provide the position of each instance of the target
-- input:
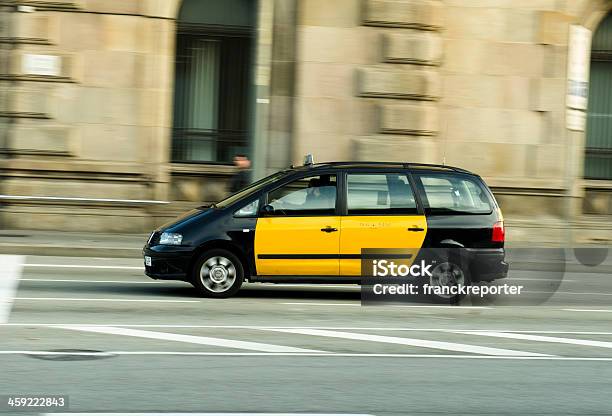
(94, 127)
(504, 102)
(478, 84)
(90, 143)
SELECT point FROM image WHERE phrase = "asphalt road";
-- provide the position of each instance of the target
(100, 332)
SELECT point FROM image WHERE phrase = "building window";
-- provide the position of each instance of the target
(598, 158)
(212, 81)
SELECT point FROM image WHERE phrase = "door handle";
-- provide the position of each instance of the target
(329, 229)
(416, 229)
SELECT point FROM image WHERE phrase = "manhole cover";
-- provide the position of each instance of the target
(70, 355)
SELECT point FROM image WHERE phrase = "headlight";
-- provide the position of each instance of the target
(171, 239)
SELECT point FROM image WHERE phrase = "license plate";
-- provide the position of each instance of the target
(147, 261)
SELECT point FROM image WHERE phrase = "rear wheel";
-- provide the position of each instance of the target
(449, 276)
(218, 273)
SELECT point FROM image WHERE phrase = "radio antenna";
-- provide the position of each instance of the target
(444, 140)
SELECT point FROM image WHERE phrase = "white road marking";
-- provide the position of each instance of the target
(329, 355)
(138, 282)
(587, 310)
(540, 338)
(557, 292)
(319, 304)
(156, 282)
(10, 272)
(111, 300)
(442, 306)
(533, 331)
(394, 306)
(537, 279)
(205, 414)
(83, 266)
(440, 345)
(192, 339)
(265, 327)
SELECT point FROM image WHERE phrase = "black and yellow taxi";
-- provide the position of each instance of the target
(312, 223)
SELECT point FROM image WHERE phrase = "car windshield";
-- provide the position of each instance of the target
(252, 188)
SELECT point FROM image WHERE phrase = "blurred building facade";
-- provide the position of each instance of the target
(116, 114)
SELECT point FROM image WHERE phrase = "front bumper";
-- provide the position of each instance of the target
(488, 264)
(168, 262)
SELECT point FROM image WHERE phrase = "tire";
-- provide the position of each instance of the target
(449, 273)
(217, 273)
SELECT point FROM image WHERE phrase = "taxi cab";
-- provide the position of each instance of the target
(311, 224)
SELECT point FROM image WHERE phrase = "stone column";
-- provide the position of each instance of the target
(261, 92)
(405, 82)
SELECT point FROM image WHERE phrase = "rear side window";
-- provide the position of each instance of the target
(389, 193)
(454, 194)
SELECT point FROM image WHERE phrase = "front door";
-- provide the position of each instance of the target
(381, 214)
(298, 233)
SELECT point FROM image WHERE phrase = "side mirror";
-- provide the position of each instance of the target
(267, 209)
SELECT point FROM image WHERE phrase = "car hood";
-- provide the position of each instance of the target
(185, 220)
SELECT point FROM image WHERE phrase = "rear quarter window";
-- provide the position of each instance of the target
(446, 193)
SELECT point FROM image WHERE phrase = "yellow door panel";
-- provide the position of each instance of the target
(297, 246)
(376, 232)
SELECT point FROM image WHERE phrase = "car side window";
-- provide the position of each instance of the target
(313, 195)
(249, 210)
(389, 193)
(450, 193)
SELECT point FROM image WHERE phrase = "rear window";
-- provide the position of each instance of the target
(455, 194)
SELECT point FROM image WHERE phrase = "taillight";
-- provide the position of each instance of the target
(499, 233)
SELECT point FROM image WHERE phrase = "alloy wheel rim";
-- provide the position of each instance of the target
(218, 274)
(447, 274)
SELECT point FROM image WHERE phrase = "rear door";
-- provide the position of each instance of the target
(380, 212)
(299, 235)
(460, 210)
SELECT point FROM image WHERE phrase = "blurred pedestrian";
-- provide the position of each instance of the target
(241, 177)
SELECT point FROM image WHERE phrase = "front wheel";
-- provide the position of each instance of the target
(218, 273)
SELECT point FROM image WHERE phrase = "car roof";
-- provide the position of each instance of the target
(381, 165)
